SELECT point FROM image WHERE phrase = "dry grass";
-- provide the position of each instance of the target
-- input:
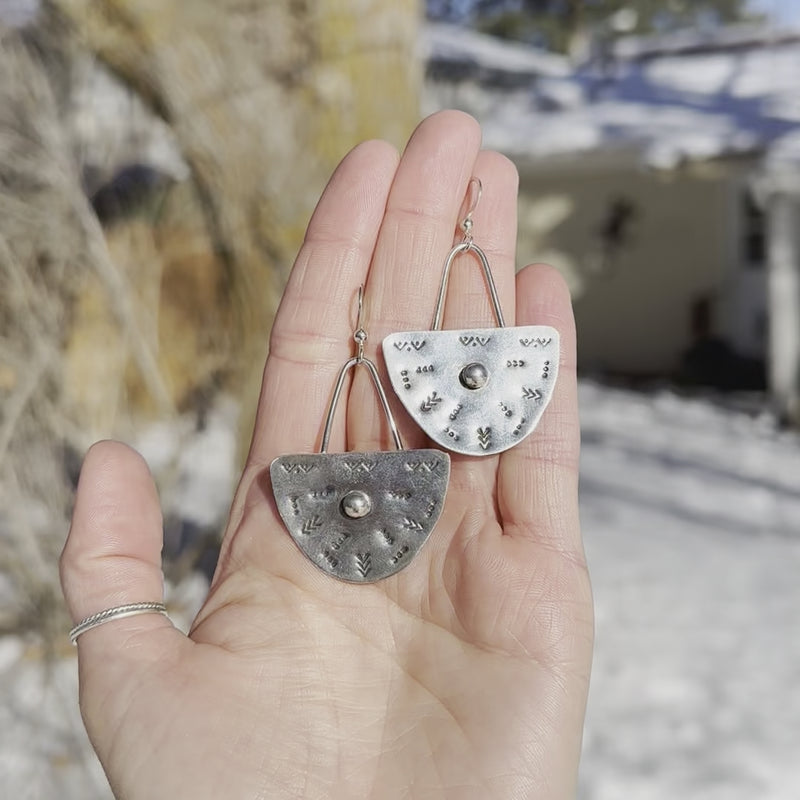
(52, 249)
(42, 260)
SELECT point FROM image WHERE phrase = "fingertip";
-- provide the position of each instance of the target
(101, 466)
(456, 121)
(545, 278)
(115, 485)
(543, 298)
(378, 150)
(443, 147)
(502, 169)
(358, 186)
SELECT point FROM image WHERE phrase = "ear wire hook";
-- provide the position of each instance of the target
(465, 247)
(466, 224)
(360, 337)
(360, 334)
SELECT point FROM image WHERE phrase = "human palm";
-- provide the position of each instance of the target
(463, 675)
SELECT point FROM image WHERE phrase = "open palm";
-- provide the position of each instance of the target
(462, 676)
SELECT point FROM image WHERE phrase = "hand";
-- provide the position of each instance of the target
(464, 675)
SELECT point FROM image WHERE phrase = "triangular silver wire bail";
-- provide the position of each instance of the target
(467, 246)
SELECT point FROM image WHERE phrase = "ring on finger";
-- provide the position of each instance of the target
(117, 612)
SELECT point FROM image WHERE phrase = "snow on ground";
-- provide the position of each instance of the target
(691, 515)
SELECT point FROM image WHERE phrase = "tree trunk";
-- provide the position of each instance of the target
(264, 99)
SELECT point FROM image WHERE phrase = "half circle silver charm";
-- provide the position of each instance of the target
(360, 517)
(468, 410)
(477, 391)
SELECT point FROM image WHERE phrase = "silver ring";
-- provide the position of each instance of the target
(118, 612)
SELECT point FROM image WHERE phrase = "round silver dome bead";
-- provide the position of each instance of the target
(356, 504)
(474, 376)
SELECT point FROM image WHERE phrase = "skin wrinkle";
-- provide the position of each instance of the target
(299, 346)
(528, 516)
(236, 746)
(132, 563)
(376, 159)
(421, 246)
(295, 585)
(472, 623)
(340, 253)
(439, 703)
(432, 160)
(434, 749)
(305, 317)
(87, 591)
(115, 742)
(154, 671)
(545, 541)
(461, 726)
(544, 615)
(117, 530)
(475, 309)
(361, 195)
(408, 617)
(411, 248)
(398, 667)
(385, 745)
(310, 737)
(554, 426)
(411, 217)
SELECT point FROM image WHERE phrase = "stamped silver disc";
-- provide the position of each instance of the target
(361, 517)
(475, 392)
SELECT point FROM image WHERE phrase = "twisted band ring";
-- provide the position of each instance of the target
(118, 612)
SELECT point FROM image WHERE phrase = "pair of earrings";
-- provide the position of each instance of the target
(362, 517)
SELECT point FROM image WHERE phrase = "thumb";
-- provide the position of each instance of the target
(112, 558)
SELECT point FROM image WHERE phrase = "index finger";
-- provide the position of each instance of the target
(313, 330)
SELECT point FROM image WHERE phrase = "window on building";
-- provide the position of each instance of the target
(754, 231)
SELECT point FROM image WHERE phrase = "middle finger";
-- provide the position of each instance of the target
(416, 235)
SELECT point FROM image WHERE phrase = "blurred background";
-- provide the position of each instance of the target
(159, 160)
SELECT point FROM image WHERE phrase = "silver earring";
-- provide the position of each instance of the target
(360, 517)
(474, 391)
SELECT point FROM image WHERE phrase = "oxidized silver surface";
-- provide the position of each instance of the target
(477, 391)
(361, 517)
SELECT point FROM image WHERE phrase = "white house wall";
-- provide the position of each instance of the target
(634, 312)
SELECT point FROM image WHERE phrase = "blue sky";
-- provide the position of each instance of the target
(783, 11)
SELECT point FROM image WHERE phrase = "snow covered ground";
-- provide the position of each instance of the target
(691, 518)
(691, 515)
